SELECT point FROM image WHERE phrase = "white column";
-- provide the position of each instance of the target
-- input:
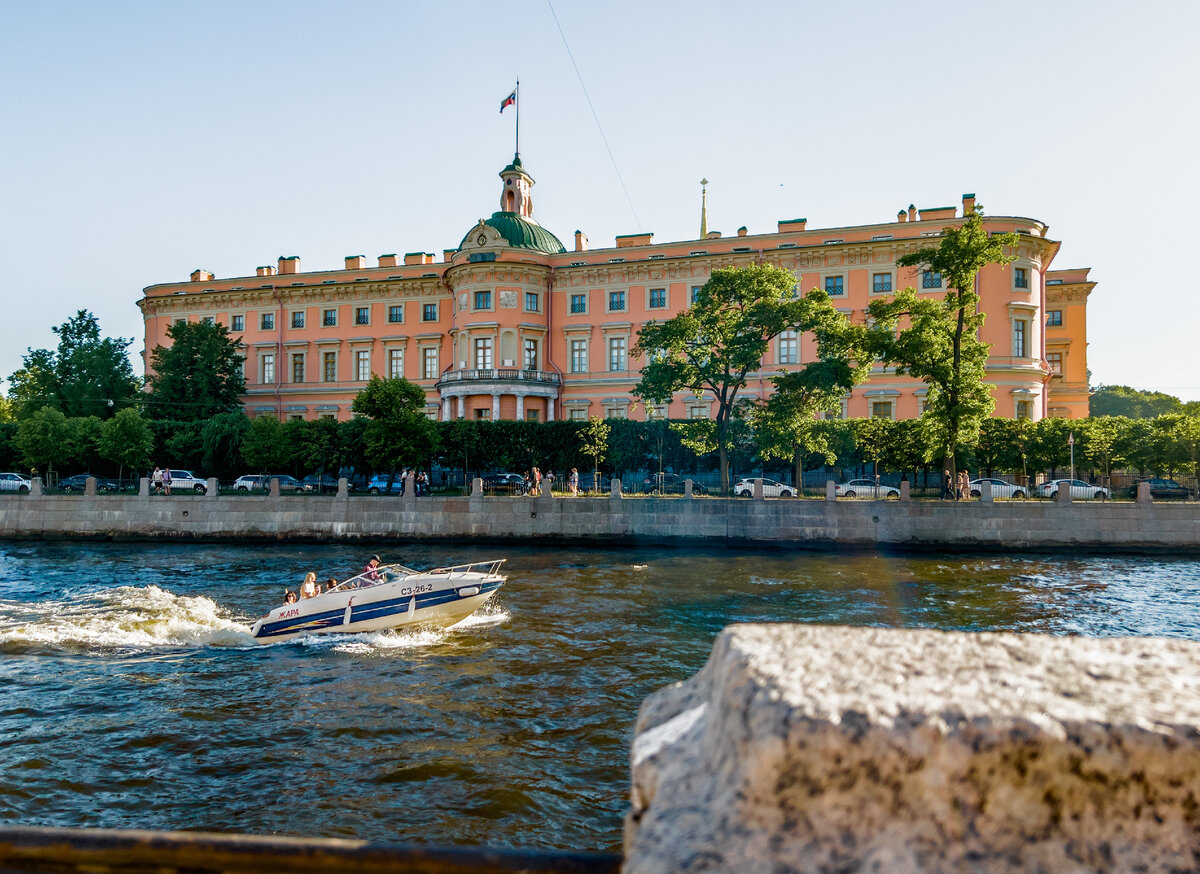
(462, 406)
(549, 409)
(495, 408)
(446, 409)
(520, 407)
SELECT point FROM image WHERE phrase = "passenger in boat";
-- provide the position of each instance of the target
(290, 597)
(371, 572)
(309, 588)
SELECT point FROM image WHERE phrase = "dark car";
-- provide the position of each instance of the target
(78, 483)
(670, 484)
(1162, 488)
(322, 483)
(504, 484)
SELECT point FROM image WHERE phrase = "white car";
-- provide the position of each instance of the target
(744, 488)
(186, 481)
(865, 488)
(1080, 491)
(14, 482)
(1000, 489)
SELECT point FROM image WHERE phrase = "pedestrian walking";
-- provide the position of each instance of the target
(156, 480)
(574, 483)
(964, 485)
(166, 480)
(947, 486)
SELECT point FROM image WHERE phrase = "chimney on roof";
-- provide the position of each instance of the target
(902, 216)
(289, 264)
(581, 241)
(742, 231)
(265, 271)
(356, 262)
(201, 276)
(912, 212)
(968, 205)
(387, 260)
(448, 255)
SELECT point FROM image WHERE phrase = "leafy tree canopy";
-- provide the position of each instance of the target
(88, 375)
(398, 433)
(1121, 400)
(198, 376)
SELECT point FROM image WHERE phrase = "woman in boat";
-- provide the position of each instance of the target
(290, 597)
(308, 589)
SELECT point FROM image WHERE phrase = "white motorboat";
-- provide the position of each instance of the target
(391, 596)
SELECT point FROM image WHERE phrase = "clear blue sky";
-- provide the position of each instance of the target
(144, 140)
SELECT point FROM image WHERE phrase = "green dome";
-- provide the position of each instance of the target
(522, 233)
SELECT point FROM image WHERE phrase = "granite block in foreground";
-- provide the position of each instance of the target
(817, 748)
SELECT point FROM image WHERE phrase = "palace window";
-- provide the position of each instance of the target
(237, 323)
(1020, 277)
(267, 367)
(579, 355)
(329, 367)
(298, 319)
(532, 416)
(615, 411)
(362, 315)
(531, 355)
(835, 286)
(329, 318)
(267, 322)
(395, 363)
(208, 320)
(429, 312)
(1053, 318)
(697, 411)
(929, 279)
(429, 360)
(483, 413)
(483, 300)
(578, 414)
(396, 314)
(532, 304)
(695, 294)
(1020, 338)
(616, 354)
(1055, 360)
(483, 353)
(789, 342)
(362, 365)
(1024, 409)
(578, 304)
(658, 298)
(298, 367)
(616, 301)
(881, 283)
(881, 409)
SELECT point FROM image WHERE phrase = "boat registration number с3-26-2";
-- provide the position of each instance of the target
(416, 590)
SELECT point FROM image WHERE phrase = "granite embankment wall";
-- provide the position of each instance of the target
(862, 524)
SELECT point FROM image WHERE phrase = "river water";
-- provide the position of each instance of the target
(132, 697)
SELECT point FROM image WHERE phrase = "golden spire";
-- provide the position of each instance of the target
(703, 208)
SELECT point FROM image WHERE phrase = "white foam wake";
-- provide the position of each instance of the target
(123, 617)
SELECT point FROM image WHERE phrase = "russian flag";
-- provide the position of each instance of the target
(510, 100)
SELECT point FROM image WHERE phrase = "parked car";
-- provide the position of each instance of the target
(1162, 489)
(250, 484)
(504, 484)
(1000, 489)
(14, 482)
(670, 484)
(185, 480)
(78, 483)
(379, 484)
(744, 488)
(325, 482)
(865, 488)
(1080, 491)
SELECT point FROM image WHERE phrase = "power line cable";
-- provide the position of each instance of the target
(599, 127)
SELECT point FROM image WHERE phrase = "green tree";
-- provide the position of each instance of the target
(999, 445)
(198, 376)
(1121, 400)
(86, 441)
(593, 442)
(44, 439)
(1185, 432)
(263, 447)
(6, 410)
(713, 346)
(126, 441)
(941, 344)
(398, 433)
(221, 441)
(1101, 438)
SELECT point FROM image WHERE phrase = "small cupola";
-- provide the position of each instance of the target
(515, 194)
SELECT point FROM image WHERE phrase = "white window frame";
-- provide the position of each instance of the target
(618, 353)
(362, 365)
(395, 363)
(788, 348)
(429, 362)
(581, 359)
(481, 353)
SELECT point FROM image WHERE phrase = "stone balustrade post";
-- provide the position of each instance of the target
(211, 487)
(1143, 493)
(830, 490)
(905, 490)
(1063, 495)
(477, 487)
(89, 487)
(343, 490)
(687, 488)
(614, 489)
(758, 489)
(985, 492)
(35, 487)
(144, 487)
(274, 489)
(410, 488)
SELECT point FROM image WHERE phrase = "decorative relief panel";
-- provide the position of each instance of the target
(462, 302)
(508, 300)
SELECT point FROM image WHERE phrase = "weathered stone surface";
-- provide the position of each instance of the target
(815, 748)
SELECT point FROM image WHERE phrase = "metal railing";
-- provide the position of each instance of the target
(499, 374)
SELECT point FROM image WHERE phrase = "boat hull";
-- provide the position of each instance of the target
(436, 599)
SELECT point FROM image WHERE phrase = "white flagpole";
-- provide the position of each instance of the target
(517, 91)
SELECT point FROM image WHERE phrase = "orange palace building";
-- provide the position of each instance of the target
(513, 325)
